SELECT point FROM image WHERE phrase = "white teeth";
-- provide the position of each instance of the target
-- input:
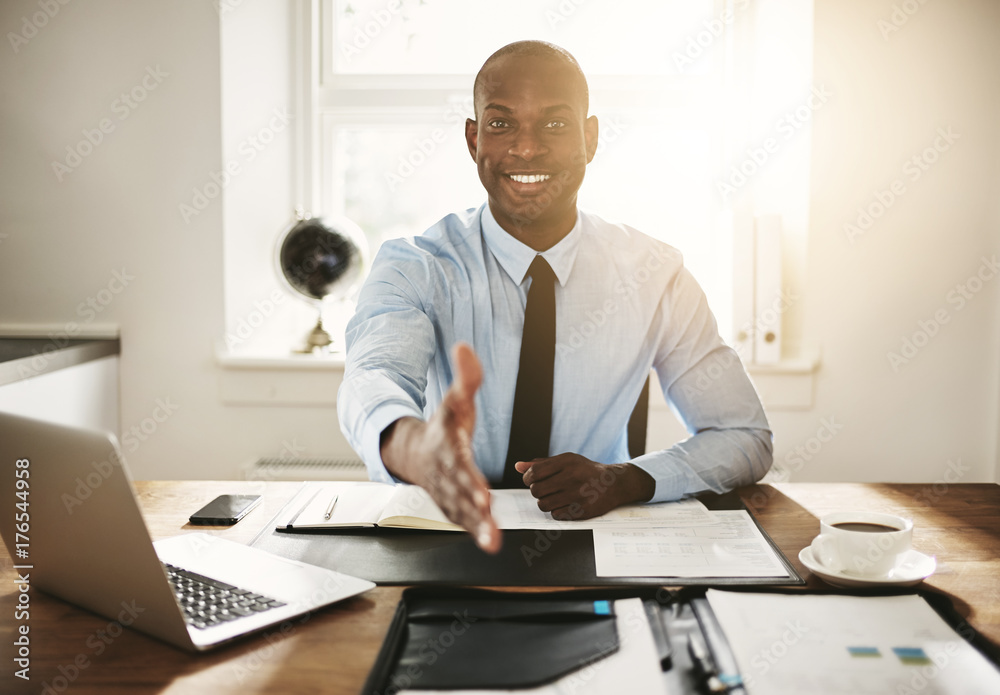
(534, 178)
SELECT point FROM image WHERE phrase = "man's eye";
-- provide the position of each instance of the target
(497, 123)
(556, 124)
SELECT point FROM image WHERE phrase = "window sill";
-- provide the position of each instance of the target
(275, 378)
(786, 385)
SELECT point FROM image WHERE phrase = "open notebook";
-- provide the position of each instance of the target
(367, 504)
(360, 505)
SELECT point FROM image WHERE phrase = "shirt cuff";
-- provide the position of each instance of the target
(371, 449)
(672, 482)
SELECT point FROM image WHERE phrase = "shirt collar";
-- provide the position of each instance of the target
(515, 257)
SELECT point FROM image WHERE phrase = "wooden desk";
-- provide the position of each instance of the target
(332, 651)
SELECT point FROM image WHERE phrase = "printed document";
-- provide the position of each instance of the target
(848, 645)
(731, 546)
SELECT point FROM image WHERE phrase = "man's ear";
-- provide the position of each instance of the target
(472, 137)
(590, 131)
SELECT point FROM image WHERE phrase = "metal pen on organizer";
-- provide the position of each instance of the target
(329, 507)
(702, 660)
(711, 652)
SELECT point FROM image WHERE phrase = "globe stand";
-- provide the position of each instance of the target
(316, 339)
(320, 259)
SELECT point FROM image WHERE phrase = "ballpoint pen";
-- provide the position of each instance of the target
(711, 652)
(703, 662)
(329, 507)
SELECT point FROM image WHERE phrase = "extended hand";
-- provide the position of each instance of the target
(574, 487)
(437, 454)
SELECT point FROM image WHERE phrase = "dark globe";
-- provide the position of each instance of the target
(322, 258)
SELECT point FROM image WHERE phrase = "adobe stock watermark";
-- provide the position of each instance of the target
(594, 320)
(88, 310)
(958, 298)
(246, 326)
(941, 657)
(30, 26)
(425, 147)
(719, 364)
(765, 321)
(796, 459)
(884, 198)
(592, 491)
(132, 439)
(224, 7)
(713, 30)
(246, 667)
(430, 651)
(900, 15)
(635, 624)
(556, 185)
(96, 643)
(561, 11)
(786, 126)
(122, 107)
(765, 659)
(580, 679)
(290, 450)
(954, 473)
(249, 148)
(368, 28)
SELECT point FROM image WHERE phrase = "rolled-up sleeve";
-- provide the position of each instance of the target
(390, 345)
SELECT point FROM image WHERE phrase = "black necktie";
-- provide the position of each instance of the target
(531, 420)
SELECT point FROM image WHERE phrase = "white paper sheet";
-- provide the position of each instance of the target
(634, 668)
(732, 546)
(517, 509)
(844, 645)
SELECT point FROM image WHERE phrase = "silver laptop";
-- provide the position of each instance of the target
(75, 529)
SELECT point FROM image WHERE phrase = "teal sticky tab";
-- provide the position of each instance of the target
(602, 608)
(864, 651)
(912, 656)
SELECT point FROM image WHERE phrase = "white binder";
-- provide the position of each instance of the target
(768, 303)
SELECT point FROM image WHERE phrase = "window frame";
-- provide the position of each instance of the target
(330, 102)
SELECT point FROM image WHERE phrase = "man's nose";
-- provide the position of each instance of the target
(528, 145)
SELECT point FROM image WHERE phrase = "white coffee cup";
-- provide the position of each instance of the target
(863, 544)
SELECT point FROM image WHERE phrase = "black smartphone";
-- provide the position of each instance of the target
(225, 510)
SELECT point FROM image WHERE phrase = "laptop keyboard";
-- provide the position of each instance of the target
(207, 602)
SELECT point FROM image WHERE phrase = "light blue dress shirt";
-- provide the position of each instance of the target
(625, 304)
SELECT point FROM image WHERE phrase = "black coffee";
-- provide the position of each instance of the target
(865, 527)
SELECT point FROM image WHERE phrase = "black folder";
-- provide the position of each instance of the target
(551, 557)
(512, 652)
(451, 639)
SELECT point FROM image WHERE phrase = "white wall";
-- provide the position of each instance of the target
(120, 209)
(939, 412)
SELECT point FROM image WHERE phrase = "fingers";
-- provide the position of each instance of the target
(557, 500)
(539, 469)
(468, 371)
(464, 493)
(481, 525)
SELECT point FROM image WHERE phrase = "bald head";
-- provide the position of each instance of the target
(490, 74)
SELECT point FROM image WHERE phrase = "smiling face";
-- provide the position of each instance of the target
(532, 142)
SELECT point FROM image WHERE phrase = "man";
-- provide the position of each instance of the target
(505, 409)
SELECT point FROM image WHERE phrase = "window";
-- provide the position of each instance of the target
(380, 90)
(396, 87)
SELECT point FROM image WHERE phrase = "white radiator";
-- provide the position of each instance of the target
(305, 469)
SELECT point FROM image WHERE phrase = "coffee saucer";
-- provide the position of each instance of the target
(913, 568)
